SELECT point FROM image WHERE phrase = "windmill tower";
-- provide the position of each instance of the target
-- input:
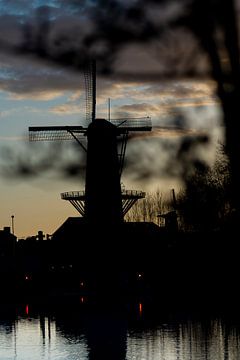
(103, 200)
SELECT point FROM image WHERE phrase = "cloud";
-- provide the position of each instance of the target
(37, 95)
(139, 108)
(186, 104)
(51, 159)
(75, 96)
(141, 42)
(16, 7)
(16, 110)
(158, 109)
(153, 159)
(180, 89)
(165, 91)
(67, 109)
(137, 42)
(168, 132)
(24, 79)
(74, 105)
(13, 138)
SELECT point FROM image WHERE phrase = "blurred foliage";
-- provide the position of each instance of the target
(205, 203)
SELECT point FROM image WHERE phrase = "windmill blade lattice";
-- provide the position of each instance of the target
(90, 90)
(133, 124)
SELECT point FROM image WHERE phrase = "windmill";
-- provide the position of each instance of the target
(103, 200)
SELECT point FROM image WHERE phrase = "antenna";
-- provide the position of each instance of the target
(109, 109)
(174, 199)
(12, 217)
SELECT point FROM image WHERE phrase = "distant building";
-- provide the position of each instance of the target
(7, 243)
(171, 222)
(90, 248)
(7, 258)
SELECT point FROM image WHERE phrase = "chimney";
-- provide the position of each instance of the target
(7, 230)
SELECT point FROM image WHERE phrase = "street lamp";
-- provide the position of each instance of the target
(12, 224)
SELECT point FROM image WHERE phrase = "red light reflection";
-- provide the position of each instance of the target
(140, 308)
(27, 310)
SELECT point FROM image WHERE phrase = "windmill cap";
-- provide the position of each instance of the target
(100, 123)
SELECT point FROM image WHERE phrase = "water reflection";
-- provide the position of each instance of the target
(191, 341)
(119, 334)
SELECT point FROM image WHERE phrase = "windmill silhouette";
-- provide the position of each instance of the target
(103, 201)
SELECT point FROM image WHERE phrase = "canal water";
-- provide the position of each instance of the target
(116, 332)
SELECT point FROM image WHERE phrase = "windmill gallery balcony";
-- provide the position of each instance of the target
(77, 199)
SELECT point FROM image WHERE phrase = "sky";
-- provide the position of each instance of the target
(146, 79)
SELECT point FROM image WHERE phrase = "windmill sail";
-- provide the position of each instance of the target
(90, 88)
(52, 133)
(133, 124)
